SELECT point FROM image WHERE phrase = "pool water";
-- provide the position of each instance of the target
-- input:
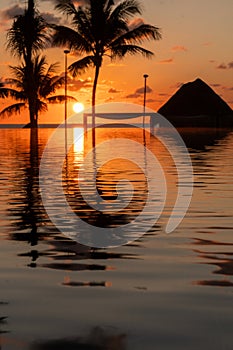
(159, 291)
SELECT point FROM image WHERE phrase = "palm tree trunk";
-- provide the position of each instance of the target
(31, 95)
(97, 70)
(29, 66)
(33, 114)
(31, 6)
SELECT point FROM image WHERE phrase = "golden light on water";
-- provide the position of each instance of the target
(78, 107)
(78, 141)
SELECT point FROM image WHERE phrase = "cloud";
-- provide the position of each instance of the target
(136, 22)
(51, 18)
(81, 2)
(78, 84)
(150, 100)
(222, 66)
(5, 63)
(116, 65)
(176, 85)
(140, 91)
(11, 12)
(208, 43)
(162, 94)
(110, 99)
(16, 10)
(113, 91)
(178, 48)
(225, 65)
(168, 60)
(215, 85)
(135, 95)
(227, 88)
(222, 87)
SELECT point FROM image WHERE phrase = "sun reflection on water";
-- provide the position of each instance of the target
(78, 141)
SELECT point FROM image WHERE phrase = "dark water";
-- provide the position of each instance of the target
(159, 292)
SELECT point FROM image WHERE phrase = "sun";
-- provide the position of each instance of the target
(78, 107)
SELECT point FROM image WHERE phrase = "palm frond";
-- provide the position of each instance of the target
(60, 98)
(50, 85)
(6, 92)
(15, 38)
(65, 6)
(125, 10)
(39, 66)
(97, 18)
(42, 106)
(19, 84)
(122, 50)
(18, 72)
(13, 109)
(82, 24)
(53, 68)
(43, 82)
(81, 65)
(108, 7)
(67, 37)
(27, 35)
(138, 35)
(41, 35)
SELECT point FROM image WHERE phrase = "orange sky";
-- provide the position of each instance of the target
(196, 43)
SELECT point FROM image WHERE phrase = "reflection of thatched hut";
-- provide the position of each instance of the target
(196, 104)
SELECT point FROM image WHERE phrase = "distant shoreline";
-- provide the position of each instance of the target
(213, 121)
(70, 126)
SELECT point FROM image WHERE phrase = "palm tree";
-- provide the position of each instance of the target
(26, 38)
(45, 83)
(102, 28)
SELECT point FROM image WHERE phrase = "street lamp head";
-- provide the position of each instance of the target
(145, 76)
(66, 51)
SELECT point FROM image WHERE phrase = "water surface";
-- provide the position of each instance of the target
(159, 292)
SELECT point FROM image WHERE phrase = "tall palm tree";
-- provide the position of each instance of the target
(26, 38)
(45, 83)
(101, 28)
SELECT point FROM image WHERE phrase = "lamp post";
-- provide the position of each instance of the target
(66, 52)
(145, 76)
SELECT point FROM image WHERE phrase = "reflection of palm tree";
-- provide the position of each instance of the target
(31, 212)
(25, 39)
(45, 84)
(220, 258)
(97, 338)
(101, 28)
(3, 319)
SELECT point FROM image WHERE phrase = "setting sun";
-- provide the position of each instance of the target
(78, 107)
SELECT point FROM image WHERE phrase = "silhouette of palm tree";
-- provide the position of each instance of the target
(102, 28)
(45, 83)
(26, 38)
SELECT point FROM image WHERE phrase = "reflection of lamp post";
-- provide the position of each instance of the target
(66, 53)
(145, 76)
